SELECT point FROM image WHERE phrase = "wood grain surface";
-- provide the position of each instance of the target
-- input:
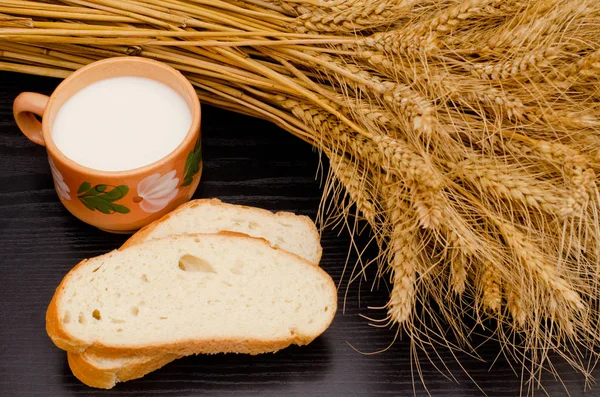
(246, 161)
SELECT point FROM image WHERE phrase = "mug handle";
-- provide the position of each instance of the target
(26, 106)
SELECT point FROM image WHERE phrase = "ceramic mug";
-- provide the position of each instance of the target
(116, 201)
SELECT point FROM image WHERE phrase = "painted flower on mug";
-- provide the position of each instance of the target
(156, 191)
(59, 182)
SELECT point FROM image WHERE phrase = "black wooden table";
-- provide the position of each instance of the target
(246, 161)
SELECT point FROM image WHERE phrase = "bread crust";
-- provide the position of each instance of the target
(89, 374)
(84, 369)
(186, 347)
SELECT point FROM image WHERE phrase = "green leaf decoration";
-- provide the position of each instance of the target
(88, 204)
(84, 187)
(121, 209)
(192, 164)
(116, 194)
(100, 198)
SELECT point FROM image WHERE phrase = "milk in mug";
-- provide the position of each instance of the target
(121, 123)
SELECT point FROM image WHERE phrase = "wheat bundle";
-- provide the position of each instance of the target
(465, 132)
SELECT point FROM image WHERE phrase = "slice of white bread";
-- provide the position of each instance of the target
(98, 371)
(183, 294)
(294, 233)
(190, 294)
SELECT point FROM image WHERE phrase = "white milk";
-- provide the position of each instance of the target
(121, 123)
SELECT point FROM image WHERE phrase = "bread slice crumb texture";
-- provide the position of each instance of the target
(195, 287)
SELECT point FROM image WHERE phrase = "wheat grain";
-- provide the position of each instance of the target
(500, 180)
(413, 167)
(410, 42)
(521, 66)
(577, 169)
(346, 16)
(347, 175)
(491, 286)
(403, 249)
(475, 95)
(450, 19)
(587, 67)
(515, 305)
(426, 204)
(458, 272)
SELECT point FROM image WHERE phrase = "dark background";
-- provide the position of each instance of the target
(250, 162)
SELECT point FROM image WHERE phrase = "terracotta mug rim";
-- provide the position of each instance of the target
(54, 151)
